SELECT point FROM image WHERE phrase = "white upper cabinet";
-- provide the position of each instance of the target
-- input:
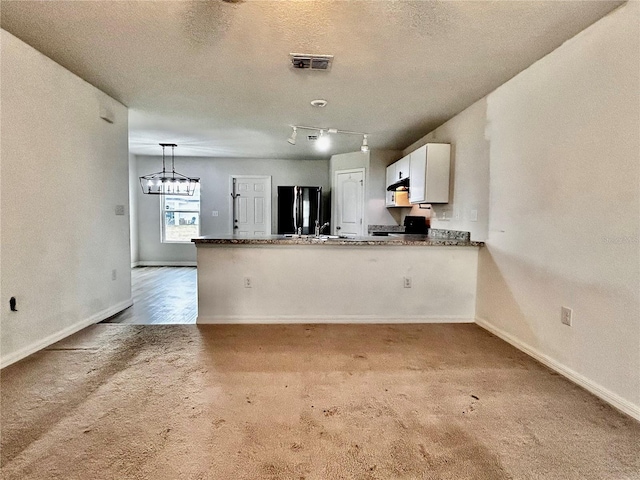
(391, 178)
(402, 167)
(429, 173)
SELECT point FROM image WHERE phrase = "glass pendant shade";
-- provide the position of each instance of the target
(168, 183)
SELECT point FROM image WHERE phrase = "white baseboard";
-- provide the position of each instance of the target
(599, 391)
(56, 337)
(164, 264)
(282, 319)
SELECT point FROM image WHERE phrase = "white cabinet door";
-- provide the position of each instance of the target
(418, 168)
(402, 167)
(391, 178)
(430, 165)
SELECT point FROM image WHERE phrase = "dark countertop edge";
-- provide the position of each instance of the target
(360, 241)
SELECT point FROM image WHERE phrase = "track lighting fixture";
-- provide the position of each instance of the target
(294, 134)
(323, 141)
(365, 146)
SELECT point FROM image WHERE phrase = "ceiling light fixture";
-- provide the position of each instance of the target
(168, 183)
(365, 145)
(294, 134)
(323, 141)
(319, 103)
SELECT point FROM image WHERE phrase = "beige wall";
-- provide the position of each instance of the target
(134, 185)
(469, 179)
(63, 172)
(564, 211)
(562, 155)
(215, 176)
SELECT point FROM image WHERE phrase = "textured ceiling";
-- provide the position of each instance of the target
(214, 76)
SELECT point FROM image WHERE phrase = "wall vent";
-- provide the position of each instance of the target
(311, 62)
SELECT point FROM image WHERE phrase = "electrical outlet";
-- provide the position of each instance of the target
(119, 209)
(214, 213)
(114, 274)
(473, 215)
(407, 282)
(566, 315)
(247, 282)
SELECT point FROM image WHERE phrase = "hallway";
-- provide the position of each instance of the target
(161, 295)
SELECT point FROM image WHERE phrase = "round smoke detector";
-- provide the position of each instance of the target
(319, 103)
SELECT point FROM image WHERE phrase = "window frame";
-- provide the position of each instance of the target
(163, 224)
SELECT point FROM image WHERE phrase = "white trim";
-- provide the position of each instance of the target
(185, 263)
(163, 210)
(56, 337)
(599, 391)
(281, 319)
(268, 211)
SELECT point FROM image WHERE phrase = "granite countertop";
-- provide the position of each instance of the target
(391, 240)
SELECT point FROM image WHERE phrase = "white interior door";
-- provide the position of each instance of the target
(349, 202)
(251, 215)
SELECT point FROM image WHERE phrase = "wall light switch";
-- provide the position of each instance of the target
(473, 215)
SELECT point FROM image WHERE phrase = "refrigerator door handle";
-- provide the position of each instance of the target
(295, 210)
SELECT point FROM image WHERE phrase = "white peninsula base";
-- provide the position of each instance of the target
(336, 283)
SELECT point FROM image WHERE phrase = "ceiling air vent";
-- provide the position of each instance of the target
(311, 62)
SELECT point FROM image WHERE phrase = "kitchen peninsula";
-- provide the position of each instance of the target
(285, 279)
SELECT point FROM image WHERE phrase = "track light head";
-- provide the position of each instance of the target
(292, 138)
(323, 142)
(365, 145)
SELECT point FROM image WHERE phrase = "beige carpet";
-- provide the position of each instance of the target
(303, 402)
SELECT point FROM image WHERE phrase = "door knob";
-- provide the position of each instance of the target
(338, 228)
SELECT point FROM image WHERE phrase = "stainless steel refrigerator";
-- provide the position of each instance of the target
(298, 209)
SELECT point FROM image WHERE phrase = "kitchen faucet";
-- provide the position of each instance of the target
(320, 228)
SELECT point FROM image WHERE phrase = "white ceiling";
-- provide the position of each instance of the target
(215, 78)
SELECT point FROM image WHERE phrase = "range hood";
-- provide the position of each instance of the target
(404, 184)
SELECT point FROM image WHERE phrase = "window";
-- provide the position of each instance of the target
(180, 217)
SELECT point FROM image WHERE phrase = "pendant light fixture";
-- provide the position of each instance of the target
(168, 183)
